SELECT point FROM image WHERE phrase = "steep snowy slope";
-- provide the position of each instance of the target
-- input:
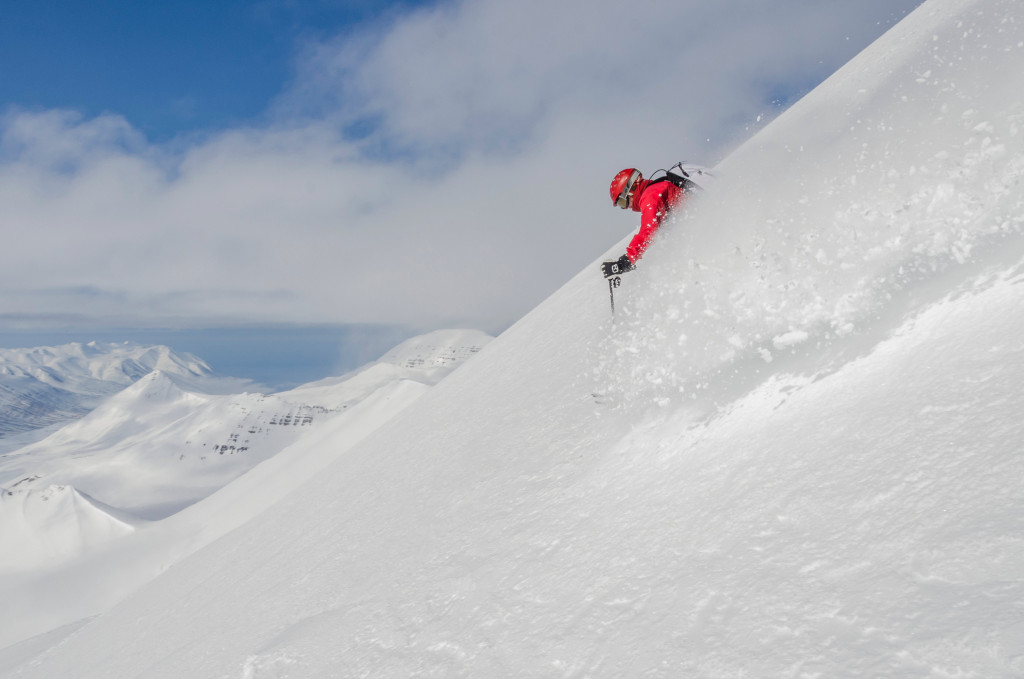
(44, 386)
(803, 461)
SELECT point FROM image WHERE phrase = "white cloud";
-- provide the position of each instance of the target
(489, 132)
(63, 140)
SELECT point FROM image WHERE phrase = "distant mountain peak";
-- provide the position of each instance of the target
(105, 361)
(155, 386)
(44, 386)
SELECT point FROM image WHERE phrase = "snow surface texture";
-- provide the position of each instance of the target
(153, 449)
(803, 459)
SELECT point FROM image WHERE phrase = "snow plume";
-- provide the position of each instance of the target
(901, 181)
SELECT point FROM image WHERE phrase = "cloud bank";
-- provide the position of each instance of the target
(445, 165)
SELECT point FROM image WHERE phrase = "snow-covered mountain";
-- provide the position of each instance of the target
(802, 459)
(153, 449)
(46, 386)
(54, 525)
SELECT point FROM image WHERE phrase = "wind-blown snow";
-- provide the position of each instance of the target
(802, 458)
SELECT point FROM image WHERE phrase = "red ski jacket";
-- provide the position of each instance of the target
(654, 201)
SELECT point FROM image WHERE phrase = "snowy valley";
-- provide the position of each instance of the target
(794, 451)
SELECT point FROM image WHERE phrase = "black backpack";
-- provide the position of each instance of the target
(687, 176)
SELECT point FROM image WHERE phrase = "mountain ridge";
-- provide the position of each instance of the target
(45, 386)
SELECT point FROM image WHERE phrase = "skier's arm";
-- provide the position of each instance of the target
(654, 208)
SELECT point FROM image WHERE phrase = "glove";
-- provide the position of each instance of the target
(617, 267)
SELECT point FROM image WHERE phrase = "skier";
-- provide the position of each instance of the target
(654, 199)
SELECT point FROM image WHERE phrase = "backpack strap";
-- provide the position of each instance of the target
(681, 177)
(682, 182)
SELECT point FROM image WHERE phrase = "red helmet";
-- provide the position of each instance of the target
(623, 184)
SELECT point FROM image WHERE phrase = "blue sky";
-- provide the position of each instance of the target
(178, 69)
(168, 67)
(308, 164)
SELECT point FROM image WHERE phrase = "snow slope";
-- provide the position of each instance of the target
(803, 459)
(46, 386)
(73, 522)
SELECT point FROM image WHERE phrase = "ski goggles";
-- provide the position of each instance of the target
(623, 199)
